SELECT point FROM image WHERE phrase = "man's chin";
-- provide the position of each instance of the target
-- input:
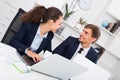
(80, 40)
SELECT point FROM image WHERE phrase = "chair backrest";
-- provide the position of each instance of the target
(13, 28)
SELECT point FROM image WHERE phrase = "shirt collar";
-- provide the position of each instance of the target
(84, 49)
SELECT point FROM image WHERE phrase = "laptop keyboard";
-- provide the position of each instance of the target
(28, 60)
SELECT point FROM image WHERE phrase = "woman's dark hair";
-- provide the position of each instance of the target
(95, 31)
(40, 14)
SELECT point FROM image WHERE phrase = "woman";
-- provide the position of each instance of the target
(36, 31)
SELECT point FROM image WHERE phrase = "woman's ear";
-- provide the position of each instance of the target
(51, 22)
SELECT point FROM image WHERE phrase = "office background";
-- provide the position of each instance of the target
(99, 12)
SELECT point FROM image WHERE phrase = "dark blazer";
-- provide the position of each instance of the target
(24, 37)
(68, 47)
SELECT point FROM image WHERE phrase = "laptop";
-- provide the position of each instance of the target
(25, 59)
(58, 67)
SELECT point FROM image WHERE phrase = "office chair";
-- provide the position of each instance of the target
(13, 28)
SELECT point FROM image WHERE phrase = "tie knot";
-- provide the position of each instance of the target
(81, 49)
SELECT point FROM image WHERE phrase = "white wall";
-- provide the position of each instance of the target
(49, 3)
(25, 4)
(92, 15)
(115, 9)
(8, 10)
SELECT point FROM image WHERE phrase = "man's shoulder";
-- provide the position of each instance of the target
(93, 50)
(72, 38)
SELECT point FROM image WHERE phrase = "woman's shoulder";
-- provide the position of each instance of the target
(29, 23)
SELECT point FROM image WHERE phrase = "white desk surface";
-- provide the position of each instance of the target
(9, 72)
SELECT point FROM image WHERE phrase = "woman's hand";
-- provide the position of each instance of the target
(36, 57)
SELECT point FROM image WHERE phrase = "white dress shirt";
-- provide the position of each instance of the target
(37, 41)
(84, 52)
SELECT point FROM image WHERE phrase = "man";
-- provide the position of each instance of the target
(71, 46)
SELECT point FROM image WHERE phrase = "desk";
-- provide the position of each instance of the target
(8, 72)
(94, 73)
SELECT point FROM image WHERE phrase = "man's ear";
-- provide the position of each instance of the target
(93, 40)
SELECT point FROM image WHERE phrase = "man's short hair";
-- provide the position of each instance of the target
(95, 31)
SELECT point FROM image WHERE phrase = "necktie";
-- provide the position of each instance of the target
(81, 49)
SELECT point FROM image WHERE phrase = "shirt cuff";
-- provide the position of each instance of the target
(26, 50)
